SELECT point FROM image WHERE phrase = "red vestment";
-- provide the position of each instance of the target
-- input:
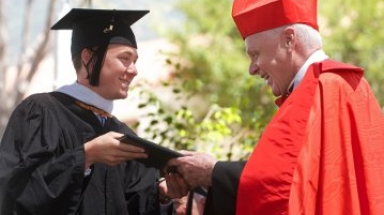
(322, 153)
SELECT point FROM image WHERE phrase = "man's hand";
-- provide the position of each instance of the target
(107, 149)
(174, 186)
(196, 168)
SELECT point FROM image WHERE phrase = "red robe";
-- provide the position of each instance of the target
(322, 153)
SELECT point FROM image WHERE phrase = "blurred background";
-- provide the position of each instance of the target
(193, 90)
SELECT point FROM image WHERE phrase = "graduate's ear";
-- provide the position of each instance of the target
(86, 56)
(86, 60)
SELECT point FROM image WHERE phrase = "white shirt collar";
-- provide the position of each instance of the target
(315, 57)
(87, 96)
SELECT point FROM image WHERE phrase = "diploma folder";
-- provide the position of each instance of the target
(158, 155)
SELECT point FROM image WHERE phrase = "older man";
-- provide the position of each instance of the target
(323, 151)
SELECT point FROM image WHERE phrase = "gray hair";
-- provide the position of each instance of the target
(309, 37)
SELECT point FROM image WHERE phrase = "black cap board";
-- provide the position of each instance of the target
(98, 28)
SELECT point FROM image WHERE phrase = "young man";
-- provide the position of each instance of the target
(323, 151)
(60, 153)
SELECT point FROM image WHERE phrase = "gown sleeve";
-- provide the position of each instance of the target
(41, 169)
(221, 198)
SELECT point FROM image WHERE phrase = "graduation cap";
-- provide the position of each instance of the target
(99, 28)
(254, 16)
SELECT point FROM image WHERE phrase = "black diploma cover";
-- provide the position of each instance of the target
(158, 156)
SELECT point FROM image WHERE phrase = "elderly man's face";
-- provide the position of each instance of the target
(270, 53)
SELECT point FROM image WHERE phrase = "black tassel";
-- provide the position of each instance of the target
(99, 61)
(100, 53)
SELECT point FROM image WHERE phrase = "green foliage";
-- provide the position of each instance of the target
(178, 128)
(215, 64)
(355, 34)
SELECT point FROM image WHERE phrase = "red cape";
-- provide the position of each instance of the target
(322, 153)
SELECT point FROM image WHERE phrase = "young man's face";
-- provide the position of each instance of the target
(117, 72)
(271, 59)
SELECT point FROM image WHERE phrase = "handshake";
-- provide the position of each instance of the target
(191, 171)
(185, 172)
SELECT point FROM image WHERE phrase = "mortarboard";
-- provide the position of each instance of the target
(98, 28)
(254, 16)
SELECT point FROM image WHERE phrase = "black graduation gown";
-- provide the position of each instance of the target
(221, 197)
(42, 164)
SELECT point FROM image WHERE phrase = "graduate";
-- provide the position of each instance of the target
(60, 153)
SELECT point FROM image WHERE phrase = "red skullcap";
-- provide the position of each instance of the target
(254, 16)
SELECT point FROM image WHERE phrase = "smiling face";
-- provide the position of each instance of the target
(117, 73)
(271, 57)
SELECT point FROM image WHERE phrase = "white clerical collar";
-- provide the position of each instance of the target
(87, 96)
(315, 57)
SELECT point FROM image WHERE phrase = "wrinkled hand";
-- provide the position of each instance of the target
(196, 168)
(107, 149)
